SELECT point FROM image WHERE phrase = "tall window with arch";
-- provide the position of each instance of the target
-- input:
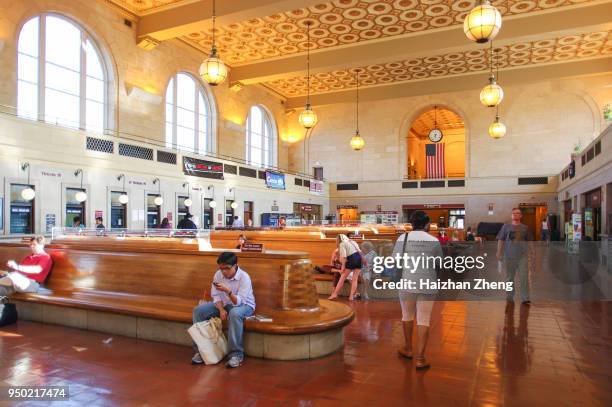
(261, 143)
(61, 77)
(188, 115)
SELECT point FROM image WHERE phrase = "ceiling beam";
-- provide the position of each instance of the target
(197, 16)
(569, 20)
(457, 83)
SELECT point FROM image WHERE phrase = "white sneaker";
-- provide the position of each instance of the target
(233, 362)
(197, 359)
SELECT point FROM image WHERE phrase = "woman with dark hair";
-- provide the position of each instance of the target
(165, 224)
(417, 303)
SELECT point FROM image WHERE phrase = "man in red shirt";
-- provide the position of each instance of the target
(27, 276)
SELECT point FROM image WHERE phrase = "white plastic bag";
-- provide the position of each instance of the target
(210, 340)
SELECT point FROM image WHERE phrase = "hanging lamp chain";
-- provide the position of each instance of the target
(358, 71)
(308, 64)
(214, 16)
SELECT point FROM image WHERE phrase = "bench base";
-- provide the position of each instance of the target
(256, 344)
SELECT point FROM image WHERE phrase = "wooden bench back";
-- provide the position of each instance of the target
(281, 281)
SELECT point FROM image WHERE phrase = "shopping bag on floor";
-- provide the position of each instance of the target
(8, 314)
(210, 340)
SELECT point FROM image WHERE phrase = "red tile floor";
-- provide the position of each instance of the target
(482, 354)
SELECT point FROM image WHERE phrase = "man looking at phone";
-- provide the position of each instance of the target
(233, 299)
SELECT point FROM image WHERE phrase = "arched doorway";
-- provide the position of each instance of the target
(441, 157)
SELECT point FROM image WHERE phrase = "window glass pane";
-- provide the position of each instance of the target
(203, 142)
(27, 100)
(61, 108)
(28, 68)
(256, 157)
(267, 160)
(185, 138)
(62, 79)
(203, 133)
(94, 67)
(185, 118)
(170, 92)
(63, 43)
(256, 141)
(203, 105)
(256, 119)
(185, 92)
(95, 89)
(169, 135)
(28, 38)
(94, 116)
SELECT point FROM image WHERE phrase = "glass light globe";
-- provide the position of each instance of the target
(492, 94)
(80, 196)
(158, 200)
(188, 202)
(212, 204)
(213, 70)
(482, 23)
(28, 194)
(497, 129)
(234, 205)
(123, 199)
(308, 118)
(357, 142)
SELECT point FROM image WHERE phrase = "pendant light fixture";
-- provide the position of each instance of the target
(123, 198)
(497, 129)
(492, 94)
(188, 202)
(158, 199)
(308, 118)
(213, 71)
(27, 193)
(482, 23)
(357, 142)
(80, 196)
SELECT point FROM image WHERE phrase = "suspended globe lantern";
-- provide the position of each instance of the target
(482, 23)
(123, 198)
(28, 194)
(212, 204)
(188, 202)
(492, 94)
(213, 71)
(357, 142)
(234, 205)
(308, 118)
(80, 196)
(497, 129)
(158, 200)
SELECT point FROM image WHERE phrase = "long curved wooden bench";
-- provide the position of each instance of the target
(98, 287)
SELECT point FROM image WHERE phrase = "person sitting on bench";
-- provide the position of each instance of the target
(27, 276)
(233, 299)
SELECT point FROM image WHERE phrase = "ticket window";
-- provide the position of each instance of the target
(181, 208)
(21, 211)
(74, 208)
(348, 215)
(153, 212)
(118, 211)
(456, 218)
(207, 214)
(229, 213)
(248, 212)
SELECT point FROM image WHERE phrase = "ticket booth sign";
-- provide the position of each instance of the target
(252, 247)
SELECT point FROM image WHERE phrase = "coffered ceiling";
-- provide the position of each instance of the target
(440, 118)
(393, 43)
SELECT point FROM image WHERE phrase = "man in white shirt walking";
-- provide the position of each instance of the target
(233, 299)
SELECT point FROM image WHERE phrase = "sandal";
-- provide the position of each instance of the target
(405, 354)
(332, 298)
(421, 364)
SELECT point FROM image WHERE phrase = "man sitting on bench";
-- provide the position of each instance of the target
(233, 298)
(27, 276)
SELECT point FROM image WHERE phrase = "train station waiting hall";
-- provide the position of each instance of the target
(305, 203)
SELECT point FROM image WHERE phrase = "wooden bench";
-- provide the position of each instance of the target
(150, 292)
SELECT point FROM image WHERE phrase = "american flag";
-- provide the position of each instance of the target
(434, 154)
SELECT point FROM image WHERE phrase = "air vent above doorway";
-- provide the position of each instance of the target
(129, 150)
(96, 144)
(533, 181)
(347, 187)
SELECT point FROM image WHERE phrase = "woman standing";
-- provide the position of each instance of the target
(350, 261)
(417, 302)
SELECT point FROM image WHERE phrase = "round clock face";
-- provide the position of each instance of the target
(435, 135)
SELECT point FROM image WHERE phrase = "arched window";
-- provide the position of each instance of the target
(61, 78)
(188, 115)
(260, 138)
